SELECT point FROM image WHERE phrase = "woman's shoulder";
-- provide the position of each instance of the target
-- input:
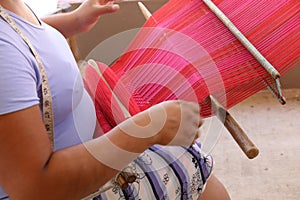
(13, 50)
(7, 34)
(18, 73)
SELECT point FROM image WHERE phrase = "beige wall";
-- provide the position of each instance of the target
(129, 17)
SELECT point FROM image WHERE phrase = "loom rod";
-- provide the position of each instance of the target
(147, 14)
(239, 135)
(126, 113)
(251, 48)
(240, 36)
(124, 177)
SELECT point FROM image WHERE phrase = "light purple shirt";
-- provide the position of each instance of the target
(20, 81)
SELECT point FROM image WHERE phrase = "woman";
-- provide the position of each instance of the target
(77, 165)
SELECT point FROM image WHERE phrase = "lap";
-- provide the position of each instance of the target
(165, 172)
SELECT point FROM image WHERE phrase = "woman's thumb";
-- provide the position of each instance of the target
(108, 9)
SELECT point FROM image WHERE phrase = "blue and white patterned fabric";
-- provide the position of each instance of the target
(165, 172)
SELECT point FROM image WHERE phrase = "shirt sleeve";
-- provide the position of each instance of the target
(18, 78)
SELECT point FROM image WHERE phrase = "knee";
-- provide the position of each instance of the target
(214, 190)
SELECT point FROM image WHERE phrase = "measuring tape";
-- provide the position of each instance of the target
(46, 93)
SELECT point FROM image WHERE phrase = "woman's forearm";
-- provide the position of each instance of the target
(66, 23)
(33, 171)
(82, 169)
(81, 19)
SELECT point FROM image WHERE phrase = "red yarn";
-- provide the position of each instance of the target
(185, 52)
(108, 111)
(188, 38)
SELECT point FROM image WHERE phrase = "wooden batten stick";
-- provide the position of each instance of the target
(238, 134)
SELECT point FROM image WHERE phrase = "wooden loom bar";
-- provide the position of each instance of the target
(239, 35)
(239, 135)
(126, 113)
(124, 177)
(147, 14)
(249, 46)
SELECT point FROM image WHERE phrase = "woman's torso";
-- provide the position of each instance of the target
(74, 115)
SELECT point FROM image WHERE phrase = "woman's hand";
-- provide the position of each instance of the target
(182, 123)
(89, 12)
(81, 19)
(167, 123)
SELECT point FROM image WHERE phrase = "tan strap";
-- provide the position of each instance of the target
(46, 92)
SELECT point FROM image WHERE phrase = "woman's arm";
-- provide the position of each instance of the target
(30, 170)
(81, 19)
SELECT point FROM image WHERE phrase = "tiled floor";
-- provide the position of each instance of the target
(275, 129)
